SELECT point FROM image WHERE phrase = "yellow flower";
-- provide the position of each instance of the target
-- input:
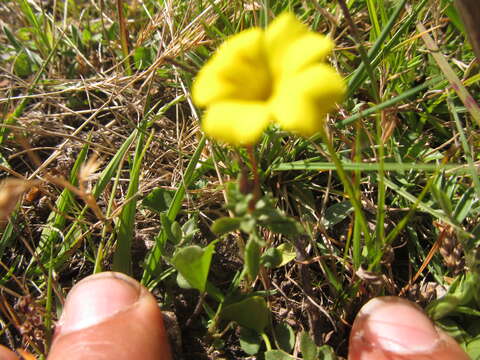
(260, 76)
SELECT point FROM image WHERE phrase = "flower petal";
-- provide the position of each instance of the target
(291, 46)
(236, 122)
(283, 31)
(238, 70)
(306, 51)
(301, 102)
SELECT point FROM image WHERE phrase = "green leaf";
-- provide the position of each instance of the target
(142, 57)
(454, 329)
(463, 207)
(86, 37)
(285, 337)
(473, 348)
(442, 199)
(167, 228)
(176, 231)
(308, 347)
(22, 66)
(158, 200)
(453, 15)
(287, 252)
(326, 353)
(252, 257)
(193, 263)
(337, 213)
(277, 355)
(15, 43)
(461, 292)
(271, 258)
(182, 282)
(225, 225)
(190, 228)
(251, 313)
(250, 341)
(122, 258)
(276, 221)
(153, 259)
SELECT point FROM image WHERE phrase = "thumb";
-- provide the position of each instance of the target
(391, 328)
(112, 317)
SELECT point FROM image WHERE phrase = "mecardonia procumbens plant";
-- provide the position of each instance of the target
(261, 76)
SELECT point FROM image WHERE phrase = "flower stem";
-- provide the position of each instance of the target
(256, 178)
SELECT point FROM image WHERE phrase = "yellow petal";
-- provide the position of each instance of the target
(306, 51)
(238, 70)
(236, 122)
(282, 32)
(291, 46)
(302, 101)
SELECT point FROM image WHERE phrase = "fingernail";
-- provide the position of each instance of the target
(96, 299)
(397, 326)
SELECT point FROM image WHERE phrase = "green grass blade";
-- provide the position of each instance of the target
(386, 104)
(12, 117)
(64, 203)
(462, 92)
(122, 259)
(397, 167)
(421, 205)
(153, 260)
(71, 239)
(359, 75)
(466, 147)
(112, 166)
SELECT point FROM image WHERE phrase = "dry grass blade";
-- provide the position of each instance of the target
(447, 70)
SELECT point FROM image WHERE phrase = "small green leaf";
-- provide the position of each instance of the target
(278, 222)
(288, 253)
(462, 209)
(308, 347)
(251, 313)
(193, 263)
(250, 341)
(285, 337)
(473, 348)
(248, 225)
(86, 37)
(182, 282)
(453, 15)
(271, 258)
(337, 213)
(22, 66)
(461, 292)
(277, 355)
(190, 228)
(225, 225)
(142, 57)
(442, 199)
(158, 200)
(252, 257)
(454, 329)
(325, 352)
(167, 228)
(176, 231)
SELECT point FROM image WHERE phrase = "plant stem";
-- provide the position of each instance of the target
(124, 37)
(266, 340)
(256, 178)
